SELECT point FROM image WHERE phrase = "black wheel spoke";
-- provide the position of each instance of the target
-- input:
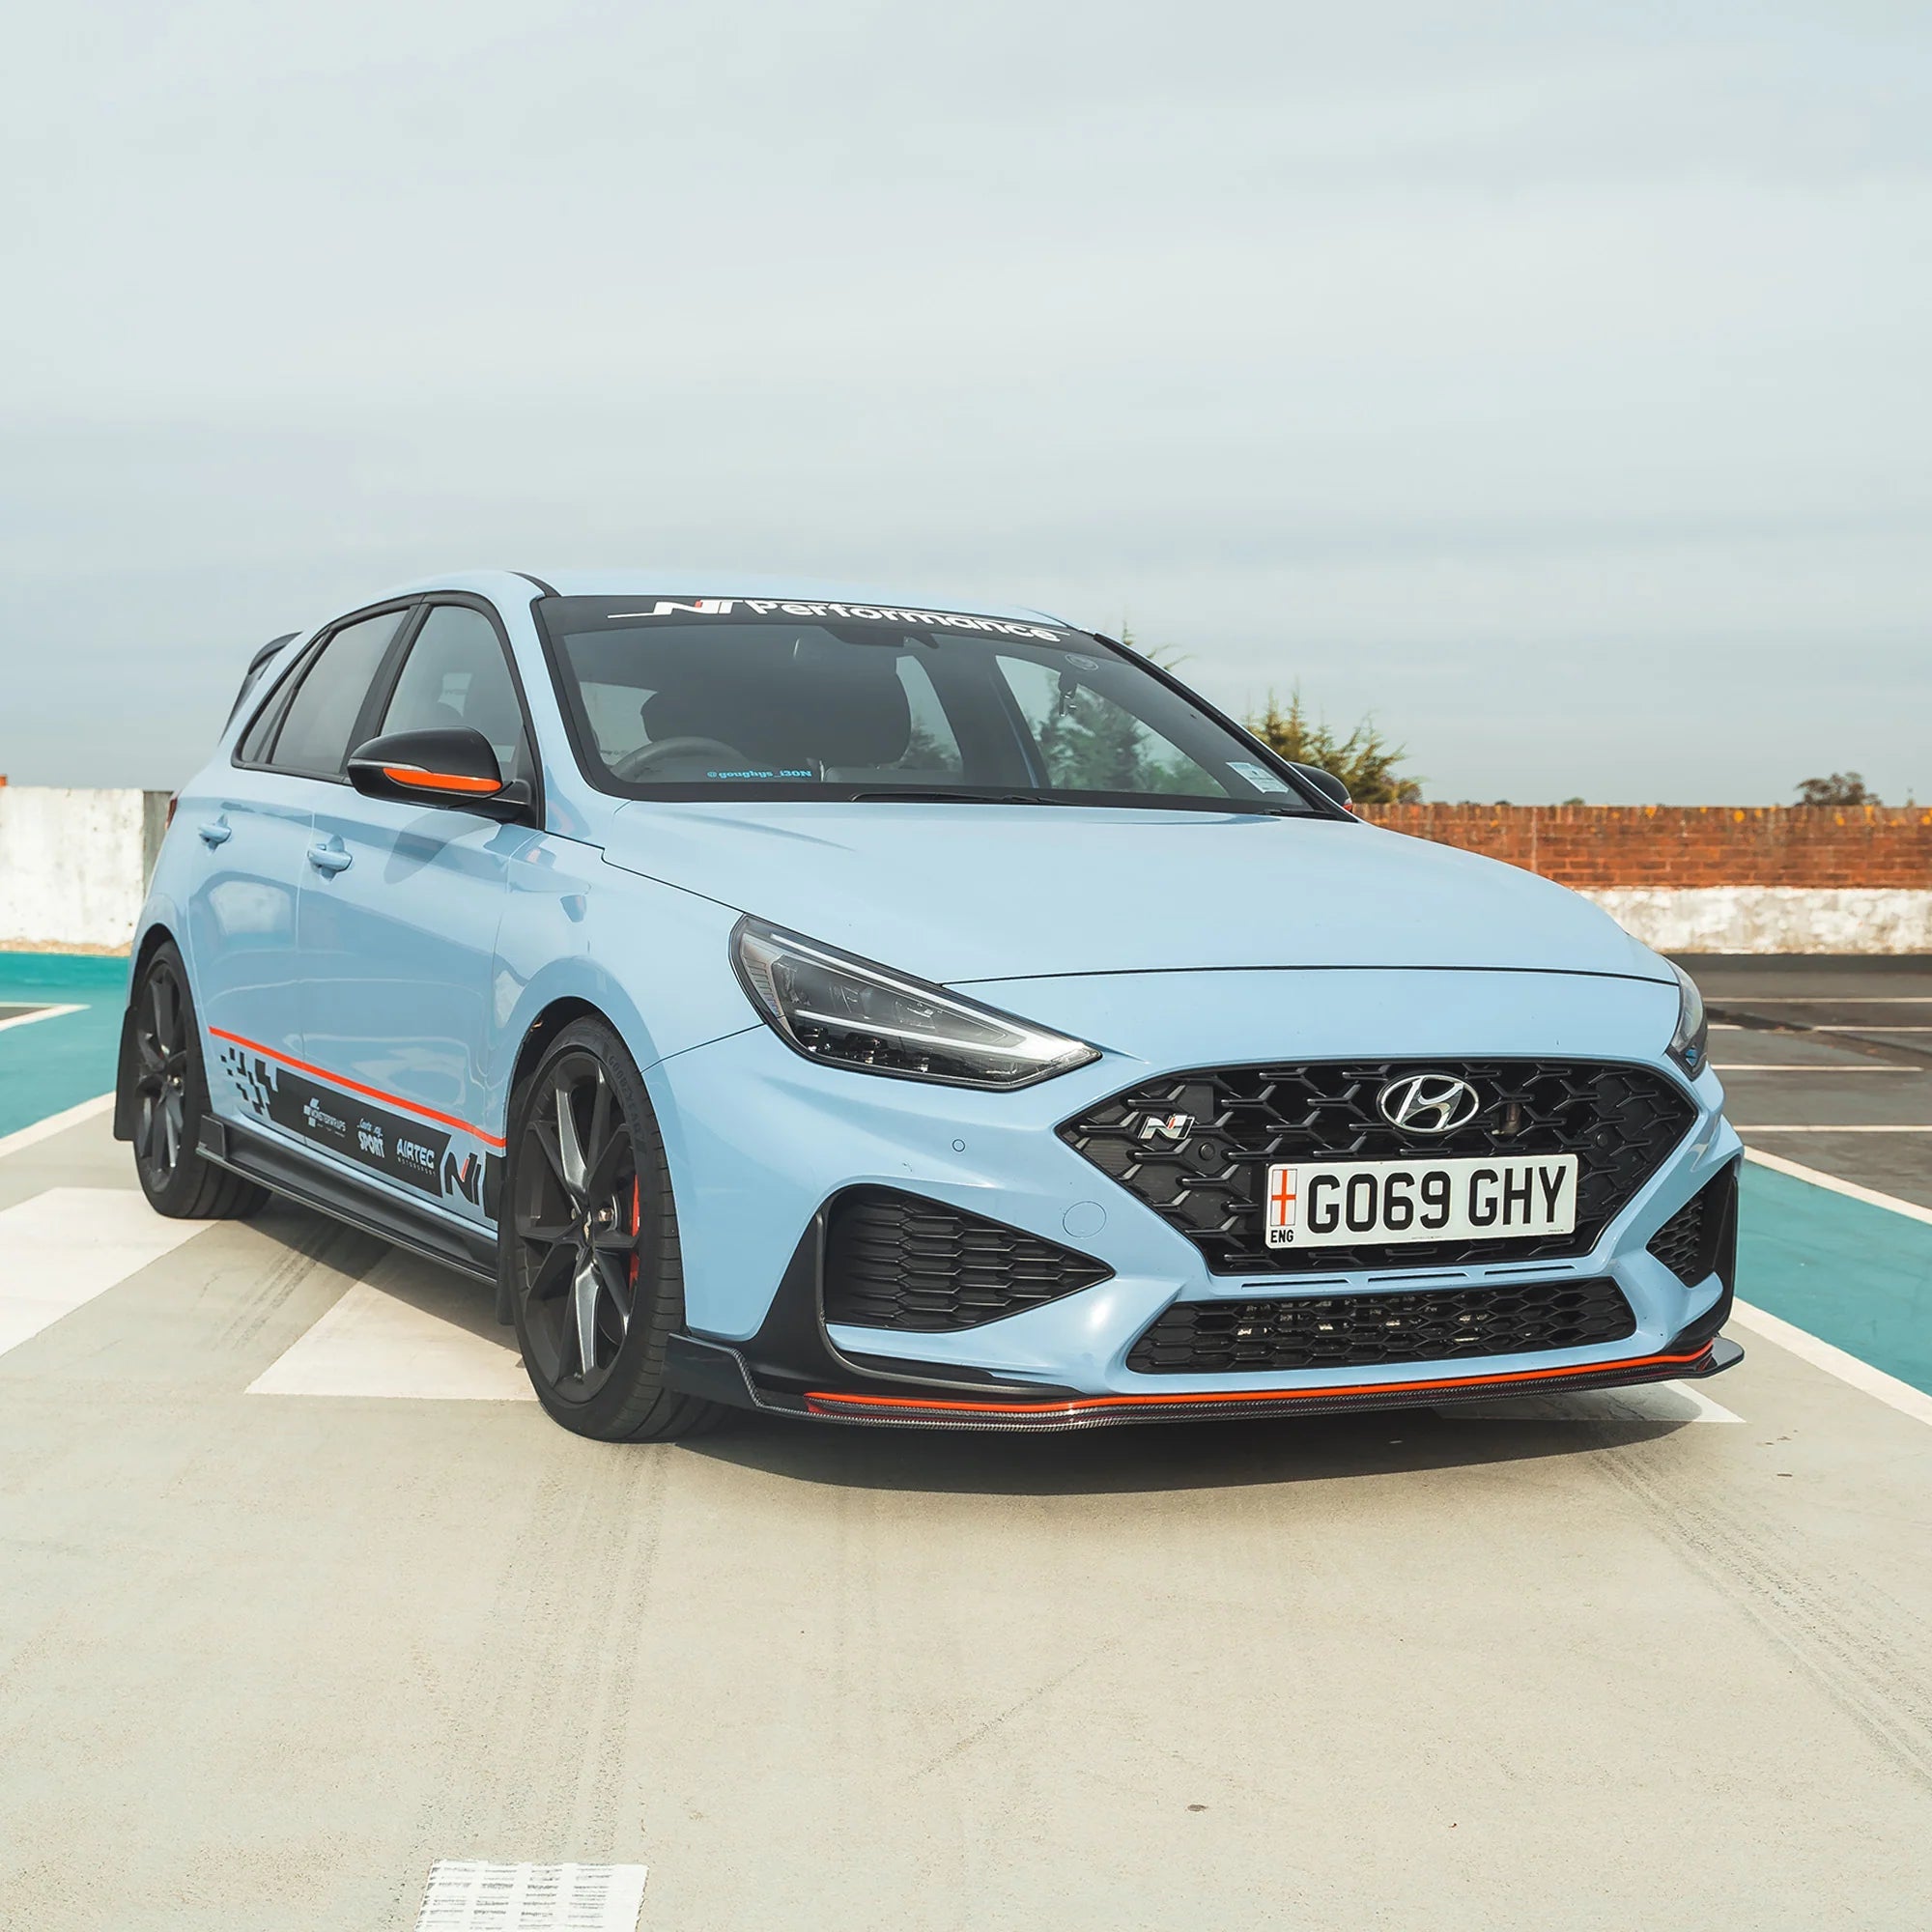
(553, 1272)
(616, 1284)
(603, 1179)
(585, 1290)
(572, 1168)
(544, 1133)
(166, 1012)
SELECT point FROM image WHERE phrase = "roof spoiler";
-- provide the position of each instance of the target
(258, 663)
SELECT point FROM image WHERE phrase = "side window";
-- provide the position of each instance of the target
(254, 745)
(314, 738)
(455, 674)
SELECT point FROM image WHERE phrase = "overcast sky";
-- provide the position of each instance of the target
(1553, 381)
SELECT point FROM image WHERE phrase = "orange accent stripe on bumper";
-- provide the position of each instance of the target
(356, 1087)
(816, 1397)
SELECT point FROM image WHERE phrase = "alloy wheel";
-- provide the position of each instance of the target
(577, 1218)
(161, 1080)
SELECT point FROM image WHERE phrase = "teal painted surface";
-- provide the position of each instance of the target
(57, 1063)
(1857, 1276)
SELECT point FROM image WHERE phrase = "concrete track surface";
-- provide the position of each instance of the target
(272, 1639)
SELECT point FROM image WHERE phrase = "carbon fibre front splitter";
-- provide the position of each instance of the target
(720, 1373)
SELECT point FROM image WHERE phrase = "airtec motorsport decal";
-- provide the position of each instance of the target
(390, 1144)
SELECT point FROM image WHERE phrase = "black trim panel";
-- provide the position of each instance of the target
(230, 1145)
(792, 1352)
(722, 1373)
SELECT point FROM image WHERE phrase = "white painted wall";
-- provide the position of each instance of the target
(1772, 919)
(74, 865)
(74, 869)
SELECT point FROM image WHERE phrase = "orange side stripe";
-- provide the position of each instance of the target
(415, 774)
(356, 1087)
(1252, 1395)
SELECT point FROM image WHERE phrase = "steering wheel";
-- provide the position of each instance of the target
(633, 765)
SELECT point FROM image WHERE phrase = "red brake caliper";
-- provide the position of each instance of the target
(637, 1226)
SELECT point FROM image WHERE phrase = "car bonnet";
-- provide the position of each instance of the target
(957, 892)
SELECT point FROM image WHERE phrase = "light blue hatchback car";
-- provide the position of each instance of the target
(842, 1009)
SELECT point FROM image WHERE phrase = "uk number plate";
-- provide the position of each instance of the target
(1373, 1202)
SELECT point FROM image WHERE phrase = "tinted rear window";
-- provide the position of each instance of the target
(316, 727)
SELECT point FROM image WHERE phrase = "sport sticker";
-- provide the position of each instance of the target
(401, 1148)
(373, 1137)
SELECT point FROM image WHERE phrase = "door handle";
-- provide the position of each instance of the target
(331, 858)
(216, 832)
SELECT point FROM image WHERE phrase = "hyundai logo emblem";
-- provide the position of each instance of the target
(1429, 1103)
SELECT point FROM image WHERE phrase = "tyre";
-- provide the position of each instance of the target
(167, 1100)
(590, 1244)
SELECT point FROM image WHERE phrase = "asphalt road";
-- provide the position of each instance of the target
(279, 1627)
(1807, 1047)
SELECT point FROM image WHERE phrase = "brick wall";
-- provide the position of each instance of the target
(1591, 845)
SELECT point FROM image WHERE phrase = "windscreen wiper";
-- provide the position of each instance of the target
(939, 794)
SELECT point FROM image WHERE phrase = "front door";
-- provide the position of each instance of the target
(397, 922)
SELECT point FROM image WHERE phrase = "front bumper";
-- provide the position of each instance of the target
(793, 1368)
(760, 1141)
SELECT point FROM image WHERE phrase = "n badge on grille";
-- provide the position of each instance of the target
(1167, 1127)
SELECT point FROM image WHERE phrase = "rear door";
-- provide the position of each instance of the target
(257, 828)
(398, 934)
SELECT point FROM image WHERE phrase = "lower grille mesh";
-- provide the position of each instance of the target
(899, 1261)
(1345, 1331)
(1695, 1239)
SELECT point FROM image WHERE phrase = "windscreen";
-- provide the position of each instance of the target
(688, 696)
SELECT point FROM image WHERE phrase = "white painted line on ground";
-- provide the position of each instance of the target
(1647, 1402)
(1822, 1025)
(1888, 1389)
(1754, 1128)
(1860, 1026)
(1777, 1164)
(1773, 1067)
(373, 1344)
(61, 1248)
(1838, 1000)
(468, 1895)
(54, 1123)
(39, 1014)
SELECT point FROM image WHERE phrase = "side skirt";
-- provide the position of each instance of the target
(286, 1173)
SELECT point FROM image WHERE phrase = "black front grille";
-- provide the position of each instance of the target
(1701, 1235)
(1620, 1121)
(899, 1261)
(1365, 1331)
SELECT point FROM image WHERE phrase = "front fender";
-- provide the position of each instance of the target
(652, 958)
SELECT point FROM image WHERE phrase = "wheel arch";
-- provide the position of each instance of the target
(545, 1028)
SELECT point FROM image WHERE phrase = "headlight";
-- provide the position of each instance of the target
(1694, 1031)
(847, 1012)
